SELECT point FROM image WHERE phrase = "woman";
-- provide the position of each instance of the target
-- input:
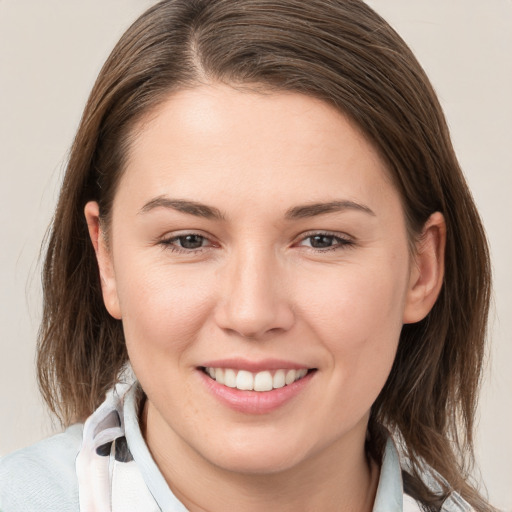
(264, 219)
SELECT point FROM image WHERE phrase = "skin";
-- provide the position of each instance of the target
(258, 289)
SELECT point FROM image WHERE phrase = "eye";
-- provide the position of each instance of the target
(325, 241)
(188, 242)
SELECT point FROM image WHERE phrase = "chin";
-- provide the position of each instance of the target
(259, 457)
(257, 464)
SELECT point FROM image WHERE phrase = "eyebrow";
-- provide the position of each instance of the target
(314, 209)
(210, 212)
(190, 207)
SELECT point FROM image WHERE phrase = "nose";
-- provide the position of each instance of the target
(254, 297)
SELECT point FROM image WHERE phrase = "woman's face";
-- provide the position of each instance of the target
(257, 237)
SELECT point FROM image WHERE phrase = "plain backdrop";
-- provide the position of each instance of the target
(50, 54)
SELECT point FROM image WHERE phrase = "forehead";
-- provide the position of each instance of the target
(216, 139)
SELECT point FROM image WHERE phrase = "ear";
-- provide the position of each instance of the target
(427, 270)
(104, 258)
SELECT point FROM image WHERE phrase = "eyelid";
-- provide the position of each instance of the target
(166, 241)
(344, 240)
(325, 232)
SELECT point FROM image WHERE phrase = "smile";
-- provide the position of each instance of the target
(261, 381)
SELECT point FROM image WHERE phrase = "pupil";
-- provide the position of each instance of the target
(321, 241)
(191, 241)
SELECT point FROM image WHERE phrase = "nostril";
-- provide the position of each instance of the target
(255, 321)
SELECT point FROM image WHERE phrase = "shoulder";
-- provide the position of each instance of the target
(453, 503)
(43, 476)
(397, 486)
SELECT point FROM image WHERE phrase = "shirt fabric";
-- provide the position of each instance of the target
(105, 465)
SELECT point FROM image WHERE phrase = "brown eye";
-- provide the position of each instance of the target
(322, 241)
(190, 241)
(187, 243)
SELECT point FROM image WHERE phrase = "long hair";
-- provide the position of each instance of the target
(343, 53)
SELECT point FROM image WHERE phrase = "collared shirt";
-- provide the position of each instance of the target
(105, 465)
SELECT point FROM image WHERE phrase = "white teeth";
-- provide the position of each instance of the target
(279, 379)
(244, 381)
(261, 381)
(230, 378)
(290, 377)
(301, 373)
(219, 375)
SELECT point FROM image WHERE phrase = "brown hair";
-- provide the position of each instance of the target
(343, 53)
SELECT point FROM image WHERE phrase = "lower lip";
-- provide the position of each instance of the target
(255, 402)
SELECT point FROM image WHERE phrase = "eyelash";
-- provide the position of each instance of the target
(341, 242)
(168, 244)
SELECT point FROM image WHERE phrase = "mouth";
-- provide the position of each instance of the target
(262, 381)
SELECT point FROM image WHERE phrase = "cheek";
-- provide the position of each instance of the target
(357, 316)
(162, 307)
(357, 304)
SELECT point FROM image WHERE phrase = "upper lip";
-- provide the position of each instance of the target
(254, 366)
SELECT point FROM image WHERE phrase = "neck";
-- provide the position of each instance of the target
(339, 478)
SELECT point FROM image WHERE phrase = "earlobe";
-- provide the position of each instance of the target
(427, 272)
(104, 259)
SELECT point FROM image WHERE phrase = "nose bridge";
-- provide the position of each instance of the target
(254, 300)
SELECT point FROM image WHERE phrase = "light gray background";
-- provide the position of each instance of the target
(50, 54)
